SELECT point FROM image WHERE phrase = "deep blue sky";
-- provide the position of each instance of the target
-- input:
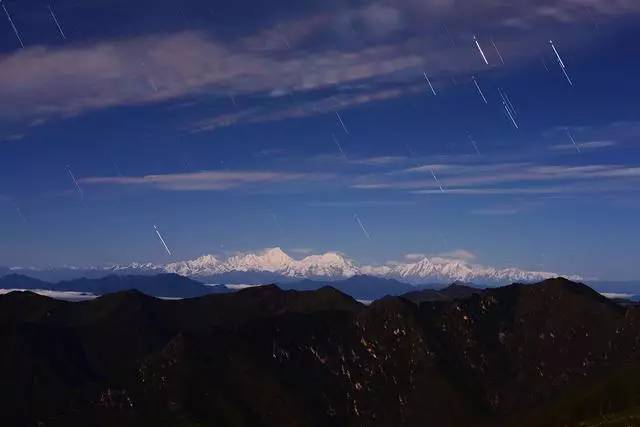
(215, 121)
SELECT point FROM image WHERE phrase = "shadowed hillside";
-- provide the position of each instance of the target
(556, 353)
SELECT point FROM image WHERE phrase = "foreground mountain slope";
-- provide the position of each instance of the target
(546, 354)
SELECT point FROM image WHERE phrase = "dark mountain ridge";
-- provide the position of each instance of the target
(556, 353)
(361, 287)
(161, 285)
(451, 292)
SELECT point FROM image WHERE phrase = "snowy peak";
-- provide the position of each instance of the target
(333, 265)
(439, 269)
(272, 260)
(275, 264)
(276, 254)
(330, 264)
(206, 264)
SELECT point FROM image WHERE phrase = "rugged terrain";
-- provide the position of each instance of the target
(556, 353)
(273, 265)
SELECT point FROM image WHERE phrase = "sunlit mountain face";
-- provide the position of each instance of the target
(407, 140)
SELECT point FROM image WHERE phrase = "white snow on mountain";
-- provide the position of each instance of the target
(273, 260)
(439, 269)
(275, 263)
(205, 265)
(332, 265)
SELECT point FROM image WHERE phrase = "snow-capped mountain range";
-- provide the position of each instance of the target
(274, 260)
(272, 265)
(332, 265)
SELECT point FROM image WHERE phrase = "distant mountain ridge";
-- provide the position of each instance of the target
(171, 285)
(161, 285)
(274, 265)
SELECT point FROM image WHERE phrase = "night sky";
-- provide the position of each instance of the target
(219, 122)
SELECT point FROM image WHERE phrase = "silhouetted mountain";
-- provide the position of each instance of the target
(360, 287)
(553, 354)
(161, 285)
(451, 292)
(18, 281)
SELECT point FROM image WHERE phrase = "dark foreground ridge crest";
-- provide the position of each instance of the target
(556, 353)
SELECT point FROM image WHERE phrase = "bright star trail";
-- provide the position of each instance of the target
(364, 230)
(429, 83)
(484, 58)
(166, 248)
(342, 123)
(561, 63)
(55, 19)
(15, 30)
(475, 82)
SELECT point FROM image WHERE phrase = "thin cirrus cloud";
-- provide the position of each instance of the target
(590, 145)
(506, 178)
(623, 134)
(394, 47)
(206, 180)
(380, 160)
(495, 211)
(457, 255)
(461, 254)
(42, 81)
(565, 11)
(327, 104)
(12, 138)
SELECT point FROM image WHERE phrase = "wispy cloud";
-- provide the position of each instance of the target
(505, 178)
(302, 251)
(206, 180)
(393, 45)
(415, 256)
(380, 160)
(44, 81)
(461, 254)
(12, 138)
(322, 105)
(457, 254)
(594, 136)
(590, 145)
(500, 191)
(495, 211)
(360, 203)
(563, 11)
